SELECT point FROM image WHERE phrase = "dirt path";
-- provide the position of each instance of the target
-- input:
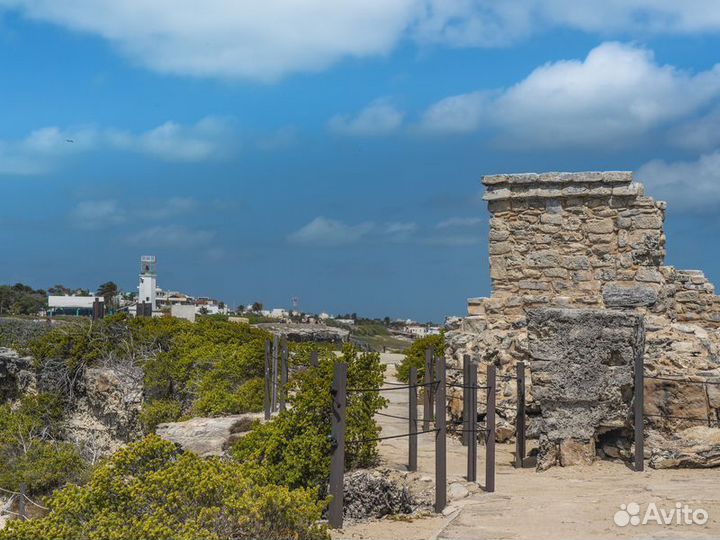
(573, 502)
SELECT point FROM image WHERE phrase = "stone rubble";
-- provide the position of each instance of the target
(590, 240)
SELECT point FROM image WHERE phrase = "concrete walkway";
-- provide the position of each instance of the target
(573, 502)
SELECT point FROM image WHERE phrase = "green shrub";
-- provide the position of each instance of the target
(415, 356)
(151, 490)
(210, 361)
(294, 448)
(28, 451)
(224, 397)
(159, 411)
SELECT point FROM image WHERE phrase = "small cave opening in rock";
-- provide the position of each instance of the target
(614, 444)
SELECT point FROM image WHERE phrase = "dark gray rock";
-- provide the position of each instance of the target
(638, 295)
(372, 494)
(582, 365)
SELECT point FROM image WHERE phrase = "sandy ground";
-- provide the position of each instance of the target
(573, 502)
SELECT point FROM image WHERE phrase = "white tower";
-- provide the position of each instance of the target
(148, 280)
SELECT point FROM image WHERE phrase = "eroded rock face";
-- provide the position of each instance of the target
(105, 414)
(16, 375)
(208, 436)
(582, 365)
(696, 447)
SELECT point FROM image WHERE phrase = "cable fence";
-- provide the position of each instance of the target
(434, 411)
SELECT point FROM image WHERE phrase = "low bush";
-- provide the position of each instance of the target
(294, 449)
(415, 356)
(159, 411)
(152, 490)
(29, 451)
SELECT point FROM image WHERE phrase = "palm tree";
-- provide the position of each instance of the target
(108, 291)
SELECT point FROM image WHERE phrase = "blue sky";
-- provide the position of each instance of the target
(333, 150)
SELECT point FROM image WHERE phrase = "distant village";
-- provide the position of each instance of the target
(152, 301)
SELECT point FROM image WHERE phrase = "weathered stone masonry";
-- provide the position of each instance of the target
(592, 240)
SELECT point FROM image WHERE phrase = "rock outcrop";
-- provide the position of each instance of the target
(208, 436)
(106, 411)
(17, 375)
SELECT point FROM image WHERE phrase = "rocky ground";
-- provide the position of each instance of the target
(563, 502)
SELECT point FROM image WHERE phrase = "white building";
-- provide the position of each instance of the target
(72, 305)
(147, 290)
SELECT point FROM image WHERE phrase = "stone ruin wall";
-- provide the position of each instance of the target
(591, 240)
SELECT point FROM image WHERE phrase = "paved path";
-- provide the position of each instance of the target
(573, 502)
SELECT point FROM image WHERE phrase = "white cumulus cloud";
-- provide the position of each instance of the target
(322, 231)
(379, 118)
(617, 92)
(45, 148)
(268, 39)
(689, 185)
(330, 232)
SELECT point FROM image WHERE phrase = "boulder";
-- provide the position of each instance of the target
(695, 447)
(208, 436)
(16, 374)
(372, 494)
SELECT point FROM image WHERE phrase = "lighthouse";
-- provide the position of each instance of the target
(148, 280)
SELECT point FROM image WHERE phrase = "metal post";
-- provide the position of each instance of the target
(283, 374)
(21, 502)
(520, 417)
(490, 434)
(337, 460)
(440, 455)
(429, 367)
(314, 359)
(413, 439)
(276, 343)
(472, 422)
(466, 403)
(427, 402)
(639, 407)
(267, 380)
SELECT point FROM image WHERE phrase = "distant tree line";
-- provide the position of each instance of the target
(21, 299)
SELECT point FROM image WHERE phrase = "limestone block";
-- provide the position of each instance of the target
(647, 222)
(601, 226)
(552, 219)
(576, 452)
(543, 259)
(575, 262)
(500, 248)
(554, 272)
(497, 235)
(648, 275)
(629, 295)
(533, 285)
